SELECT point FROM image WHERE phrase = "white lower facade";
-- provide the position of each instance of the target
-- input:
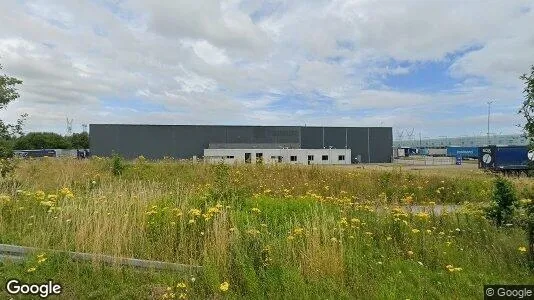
(290, 156)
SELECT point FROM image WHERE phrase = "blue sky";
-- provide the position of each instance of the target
(429, 66)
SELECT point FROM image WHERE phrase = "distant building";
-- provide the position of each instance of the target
(270, 156)
(366, 144)
(465, 141)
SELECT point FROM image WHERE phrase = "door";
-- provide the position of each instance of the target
(248, 157)
(259, 158)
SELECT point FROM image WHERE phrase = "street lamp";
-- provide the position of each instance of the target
(489, 112)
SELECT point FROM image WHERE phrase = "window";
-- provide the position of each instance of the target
(259, 158)
(230, 156)
(325, 157)
(273, 157)
(310, 157)
(293, 158)
(341, 157)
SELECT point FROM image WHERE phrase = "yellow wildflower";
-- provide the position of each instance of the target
(31, 270)
(525, 201)
(224, 286)
(298, 231)
(4, 199)
(195, 212)
(47, 203)
(253, 232)
(522, 249)
(256, 210)
(423, 215)
(40, 195)
(415, 230)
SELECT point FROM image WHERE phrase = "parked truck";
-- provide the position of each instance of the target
(506, 159)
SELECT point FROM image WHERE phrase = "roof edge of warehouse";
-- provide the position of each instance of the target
(244, 125)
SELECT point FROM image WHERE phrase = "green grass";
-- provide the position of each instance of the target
(278, 232)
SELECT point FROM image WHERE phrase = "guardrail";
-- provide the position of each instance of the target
(18, 254)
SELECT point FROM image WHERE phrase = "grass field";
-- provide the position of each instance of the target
(279, 232)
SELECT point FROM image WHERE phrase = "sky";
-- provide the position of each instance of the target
(426, 66)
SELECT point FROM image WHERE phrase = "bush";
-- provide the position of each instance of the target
(6, 149)
(504, 202)
(7, 166)
(117, 164)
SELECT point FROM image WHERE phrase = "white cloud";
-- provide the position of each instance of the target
(208, 53)
(219, 61)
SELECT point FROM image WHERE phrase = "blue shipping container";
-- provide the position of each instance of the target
(472, 152)
(512, 156)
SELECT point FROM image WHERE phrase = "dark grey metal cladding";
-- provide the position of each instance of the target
(180, 141)
(153, 141)
(254, 145)
(311, 137)
(380, 144)
(335, 137)
(357, 143)
(262, 134)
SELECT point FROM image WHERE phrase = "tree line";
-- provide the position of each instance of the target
(12, 136)
(43, 140)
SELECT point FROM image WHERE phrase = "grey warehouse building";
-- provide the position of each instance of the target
(368, 144)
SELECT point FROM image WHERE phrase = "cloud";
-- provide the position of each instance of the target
(256, 62)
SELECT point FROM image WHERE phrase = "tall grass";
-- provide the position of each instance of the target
(283, 232)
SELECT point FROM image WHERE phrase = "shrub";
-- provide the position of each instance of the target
(504, 202)
(7, 166)
(117, 164)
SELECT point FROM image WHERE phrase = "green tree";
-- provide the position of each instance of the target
(504, 202)
(8, 132)
(8, 90)
(79, 140)
(42, 140)
(527, 109)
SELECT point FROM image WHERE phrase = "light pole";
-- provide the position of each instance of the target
(489, 111)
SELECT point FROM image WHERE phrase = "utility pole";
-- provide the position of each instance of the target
(489, 111)
(69, 126)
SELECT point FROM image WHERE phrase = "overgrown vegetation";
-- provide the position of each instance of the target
(504, 202)
(9, 132)
(527, 110)
(284, 232)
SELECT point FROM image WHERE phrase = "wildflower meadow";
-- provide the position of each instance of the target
(261, 231)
